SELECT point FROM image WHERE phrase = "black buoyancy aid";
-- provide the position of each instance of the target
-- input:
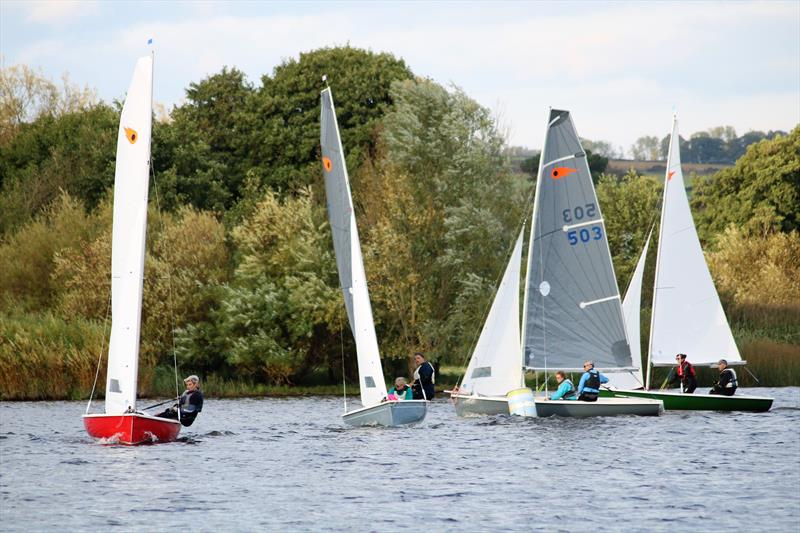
(732, 383)
(593, 382)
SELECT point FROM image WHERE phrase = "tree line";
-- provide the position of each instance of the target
(240, 278)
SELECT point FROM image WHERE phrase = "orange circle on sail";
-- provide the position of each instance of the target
(131, 135)
(326, 162)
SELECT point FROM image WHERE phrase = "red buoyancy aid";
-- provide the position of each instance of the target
(685, 369)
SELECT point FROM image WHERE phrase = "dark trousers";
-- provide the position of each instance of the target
(689, 386)
(721, 391)
(588, 397)
(171, 413)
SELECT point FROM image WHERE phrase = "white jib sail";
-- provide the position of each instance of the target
(687, 314)
(631, 310)
(349, 261)
(496, 364)
(128, 244)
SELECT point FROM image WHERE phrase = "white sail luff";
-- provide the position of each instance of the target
(494, 368)
(128, 239)
(687, 312)
(531, 238)
(631, 309)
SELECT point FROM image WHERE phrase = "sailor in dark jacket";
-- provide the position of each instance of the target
(727, 383)
(424, 378)
(190, 403)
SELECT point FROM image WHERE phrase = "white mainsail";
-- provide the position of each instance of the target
(687, 313)
(128, 239)
(349, 261)
(496, 364)
(631, 309)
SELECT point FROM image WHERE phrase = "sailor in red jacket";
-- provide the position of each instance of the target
(684, 373)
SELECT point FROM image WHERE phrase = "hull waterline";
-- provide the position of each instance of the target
(602, 407)
(131, 428)
(676, 401)
(388, 414)
(468, 406)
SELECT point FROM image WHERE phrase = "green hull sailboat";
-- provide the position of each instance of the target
(687, 315)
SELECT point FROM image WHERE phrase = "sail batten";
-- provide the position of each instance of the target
(349, 261)
(572, 303)
(131, 180)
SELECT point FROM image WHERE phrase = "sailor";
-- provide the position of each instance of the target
(190, 402)
(424, 378)
(589, 385)
(566, 390)
(684, 373)
(727, 383)
(401, 390)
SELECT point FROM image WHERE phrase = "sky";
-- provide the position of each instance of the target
(620, 67)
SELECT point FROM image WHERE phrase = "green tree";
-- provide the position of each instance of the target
(760, 193)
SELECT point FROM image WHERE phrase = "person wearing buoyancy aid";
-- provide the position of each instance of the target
(727, 383)
(401, 390)
(566, 390)
(190, 403)
(684, 373)
(424, 378)
(589, 385)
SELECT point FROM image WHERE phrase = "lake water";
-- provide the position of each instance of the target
(290, 465)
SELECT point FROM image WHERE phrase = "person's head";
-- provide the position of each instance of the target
(588, 365)
(560, 376)
(399, 383)
(681, 357)
(192, 382)
(419, 358)
(722, 364)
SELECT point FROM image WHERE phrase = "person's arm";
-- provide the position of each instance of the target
(582, 382)
(673, 376)
(724, 379)
(603, 379)
(561, 391)
(409, 394)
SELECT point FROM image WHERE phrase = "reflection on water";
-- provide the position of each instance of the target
(290, 464)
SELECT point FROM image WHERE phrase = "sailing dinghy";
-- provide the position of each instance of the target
(122, 422)
(376, 410)
(572, 309)
(687, 313)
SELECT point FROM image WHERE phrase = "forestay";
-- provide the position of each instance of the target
(572, 308)
(348, 256)
(496, 364)
(687, 313)
(631, 310)
(128, 244)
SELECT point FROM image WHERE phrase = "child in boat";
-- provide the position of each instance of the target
(401, 391)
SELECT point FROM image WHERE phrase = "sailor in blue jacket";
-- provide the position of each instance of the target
(589, 386)
(566, 390)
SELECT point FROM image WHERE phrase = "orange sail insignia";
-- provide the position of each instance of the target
(560, 172)
(326, 162)
(669, 176)
(131, 134)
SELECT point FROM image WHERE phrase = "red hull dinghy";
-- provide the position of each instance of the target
(131, 428)
(121, 422)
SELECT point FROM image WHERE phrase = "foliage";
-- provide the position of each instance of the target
(630, 211)
(760, 194)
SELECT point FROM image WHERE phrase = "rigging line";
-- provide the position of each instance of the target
(488, 306)
(344, 373)
(170, 299)
(100, 356)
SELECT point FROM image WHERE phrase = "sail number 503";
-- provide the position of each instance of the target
(593, 233)
(578, 213)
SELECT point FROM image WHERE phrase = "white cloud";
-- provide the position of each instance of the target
(59, 11)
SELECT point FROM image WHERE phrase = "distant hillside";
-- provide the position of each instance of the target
(621, 166)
